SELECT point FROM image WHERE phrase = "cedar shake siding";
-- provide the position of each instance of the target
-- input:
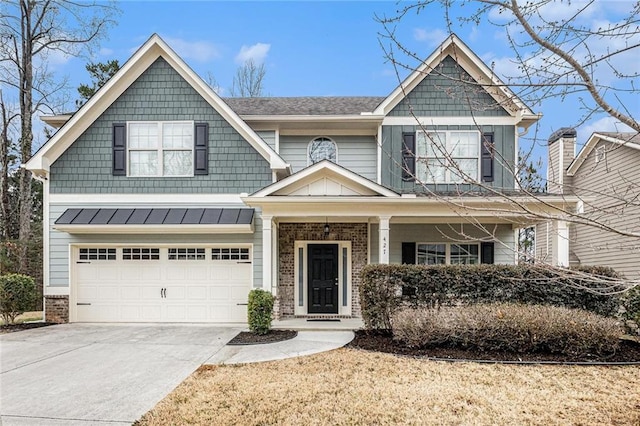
(443, 93)
(160, 94)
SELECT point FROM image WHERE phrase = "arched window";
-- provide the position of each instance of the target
(322, 149)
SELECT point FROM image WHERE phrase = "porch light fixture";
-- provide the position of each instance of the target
(326, 228)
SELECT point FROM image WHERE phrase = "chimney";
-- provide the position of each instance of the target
(562, 151)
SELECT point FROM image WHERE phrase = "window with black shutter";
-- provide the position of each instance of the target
(487, 157)
(119, 166)
(409, 156)
(487, 252)
(201, 149)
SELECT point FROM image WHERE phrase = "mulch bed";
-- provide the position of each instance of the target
(10, 328)
(273, 336)
(382, 341)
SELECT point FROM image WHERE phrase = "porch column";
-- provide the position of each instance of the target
(267, 252)
(383, 245)
(560, 244)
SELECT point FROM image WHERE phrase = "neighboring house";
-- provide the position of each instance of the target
(605, 177)
(165, 202)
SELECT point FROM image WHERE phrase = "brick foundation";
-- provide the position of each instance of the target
(289, 233)
(56, 309)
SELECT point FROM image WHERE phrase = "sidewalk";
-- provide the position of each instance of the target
(305, 343)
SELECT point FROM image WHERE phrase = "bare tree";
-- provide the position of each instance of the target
(8, 115)
(30, 32)
(248, 80)
(563, 58)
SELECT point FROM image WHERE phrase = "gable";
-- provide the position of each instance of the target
(327, 186)
(142, 59)
(160, 93)
(325, 178)
(443, 93)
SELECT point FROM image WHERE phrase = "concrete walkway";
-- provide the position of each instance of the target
(305, 343)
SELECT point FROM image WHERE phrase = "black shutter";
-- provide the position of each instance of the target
(409, 253)
(201, 157)
(487, 157)
(486, 252)
(409, 156)
(119, 166)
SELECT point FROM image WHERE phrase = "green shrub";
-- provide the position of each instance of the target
(17, 295)
(259, 311)
(630, 309)
(509, 327)
(385, 288)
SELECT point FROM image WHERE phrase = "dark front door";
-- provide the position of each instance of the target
(323, 278)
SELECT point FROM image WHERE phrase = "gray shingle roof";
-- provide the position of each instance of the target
(632, 137)
(333, 105)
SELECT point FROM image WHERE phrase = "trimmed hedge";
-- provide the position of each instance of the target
(385, 288)
(259, 311)
(509, 327)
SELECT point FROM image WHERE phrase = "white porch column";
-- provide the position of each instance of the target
(267, 252)
(560, 244)
(383, 245)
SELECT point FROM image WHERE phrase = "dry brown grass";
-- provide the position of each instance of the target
(348, 386)
(27, 316)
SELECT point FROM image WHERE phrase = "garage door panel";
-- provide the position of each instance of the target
(196, 292)
(161, 289)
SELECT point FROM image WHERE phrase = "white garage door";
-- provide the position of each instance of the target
(161, 284)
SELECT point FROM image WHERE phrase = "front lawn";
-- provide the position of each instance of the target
(349, 386)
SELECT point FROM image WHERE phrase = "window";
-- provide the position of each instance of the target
(138, 253)
(97, 254)
(322, 149)
(432, 254)
(448, 254)
(464, 254)
(232, 253)
(187, 254)
(448, 157)
(160, 148)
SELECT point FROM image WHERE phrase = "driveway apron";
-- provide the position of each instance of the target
(97, 374)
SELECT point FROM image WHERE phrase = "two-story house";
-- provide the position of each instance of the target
(166, 202)
(604, 177)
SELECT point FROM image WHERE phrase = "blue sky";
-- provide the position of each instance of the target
(321, 48)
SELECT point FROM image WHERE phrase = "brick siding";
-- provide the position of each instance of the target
(56, 309)
(289, 233)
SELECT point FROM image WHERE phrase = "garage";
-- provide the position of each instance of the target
(160, 283)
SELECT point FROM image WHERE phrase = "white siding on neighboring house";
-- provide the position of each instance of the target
(613, 181)
(356, 153)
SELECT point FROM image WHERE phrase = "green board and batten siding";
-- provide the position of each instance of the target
(59, 242)
(160, 93)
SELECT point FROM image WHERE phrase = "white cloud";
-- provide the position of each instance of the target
(256, 53)
(432, 38)
(198, 50)
(605, 124)
(105, 51)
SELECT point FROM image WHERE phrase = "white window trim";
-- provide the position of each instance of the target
(448, 250)
(309, 163)
(160, 149)
(448, 172)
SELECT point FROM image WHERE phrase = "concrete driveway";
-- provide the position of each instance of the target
(81, 374)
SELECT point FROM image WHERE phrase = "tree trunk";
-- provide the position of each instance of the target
(26, 107)
(4, 177)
